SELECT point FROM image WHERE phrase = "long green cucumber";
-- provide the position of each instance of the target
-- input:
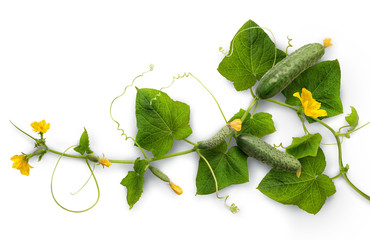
(264, 152)
(285, 71)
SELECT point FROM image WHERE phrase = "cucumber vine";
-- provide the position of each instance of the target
(314, 95)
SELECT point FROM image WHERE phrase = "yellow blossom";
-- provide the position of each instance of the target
(20, 162)
(40, 126)
(236, 124)
(104, 162)
(176, 188)
(310, 106)
(327, 42)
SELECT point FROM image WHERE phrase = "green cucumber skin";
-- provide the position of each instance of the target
(215, 140)
(285, 71)
(264, 152)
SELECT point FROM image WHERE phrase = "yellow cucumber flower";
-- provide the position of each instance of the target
(20, 162)
(40, 126)
(327, 42)
(104, 162)
(236, 124)
(310, 106)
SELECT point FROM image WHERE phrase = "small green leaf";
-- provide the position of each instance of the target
(84, 145)
(352, 119)
(323, 81)
(140, 166)
(252, 55)
(229, 168)
(305, 146)
(134, 183)
(160, 121)
(309, 192)
(261, 124)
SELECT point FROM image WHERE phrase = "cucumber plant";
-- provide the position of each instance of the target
(296, 176)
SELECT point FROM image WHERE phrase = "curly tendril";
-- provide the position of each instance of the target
(185, 75)
(233, 208)
(151, 67)
(92, 173)
(289, 45)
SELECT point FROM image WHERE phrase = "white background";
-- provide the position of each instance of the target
(64, 61)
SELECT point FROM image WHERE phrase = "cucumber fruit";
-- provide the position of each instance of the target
(264, 152)
(285, 71)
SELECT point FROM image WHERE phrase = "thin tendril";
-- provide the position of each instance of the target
(341, 141)
(354, 130)
(233, 207)
(347, 126)
(303, 124)
(289, 45)
(92, 173)
(23, 131)
(280, 145)
(84, 183)
(228, 144)
(200, 82)
(111, 105)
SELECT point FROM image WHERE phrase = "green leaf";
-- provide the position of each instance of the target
(140, 166)
(229, 168)
(252, 55)
(309, 192)
(134, 183)
(323, 81)
(84, 145)
(352, 119)
(305, 146)
(261, 124)
(160, 122)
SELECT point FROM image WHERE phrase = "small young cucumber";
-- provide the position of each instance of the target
(264, 152)
(216, 139)
(285, 71)
(158, 173)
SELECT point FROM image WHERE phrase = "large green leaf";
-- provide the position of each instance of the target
(134, 183)
(305, 146)
(259, 125)
(323, 81)
(309, 192)
(160, 120)
(251, 54)
(229, 168)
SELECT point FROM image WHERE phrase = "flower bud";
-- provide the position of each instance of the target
(104, 162)
(236, 124)
(176, 188)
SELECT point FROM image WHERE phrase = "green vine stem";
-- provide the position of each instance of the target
(254, 101)
(340, 155)
(303, 124)
(125, 161)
